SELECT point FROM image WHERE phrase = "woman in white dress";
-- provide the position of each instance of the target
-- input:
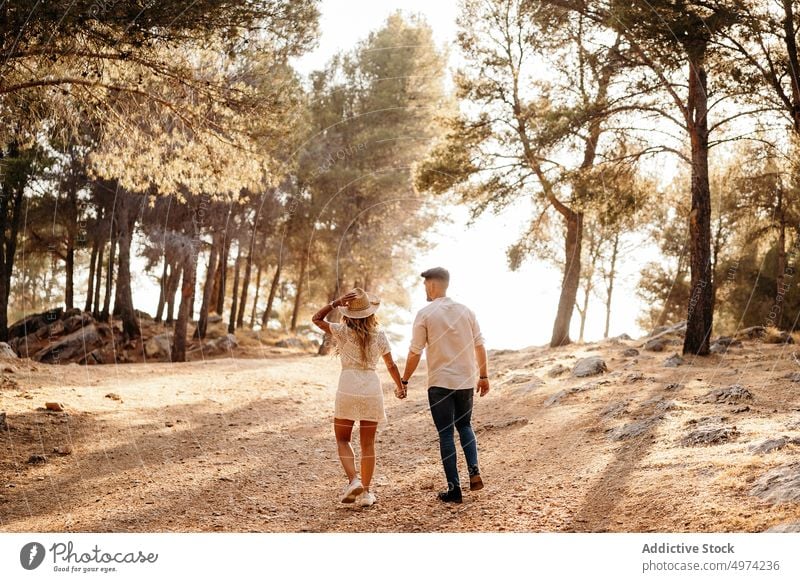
(360, 344)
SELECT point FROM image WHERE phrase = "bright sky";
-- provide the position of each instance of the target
(514, 309)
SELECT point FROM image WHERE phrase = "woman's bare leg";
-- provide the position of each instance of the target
(343, 429)
(367, 430)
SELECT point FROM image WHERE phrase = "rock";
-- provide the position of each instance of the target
(54, 406)
(793, 377)
(75, 345)
(655, 345)
(733, 394)
(3, 425)
(519, 421)
(717, 348)
(290, 342)
(63, 450)
(93, 357)
(673, 361)
(710, 436)
(556, 398)
(75, 322)
(788, 527)
(782, 337)
(158, 346)
(753, 332)
(226, 342)
(779, 485)
(34, 323)
(557, 370)
(673, 387)
(633, 377)
(631, 430)
(36, 460)
(741, 409)
(630, 352)
(589, 367)
(114, 396)
(6, 353)
(143, 315)
(624, 336)
(615, 409)
(769, 445)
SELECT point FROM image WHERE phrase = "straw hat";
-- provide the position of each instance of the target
(362, 306)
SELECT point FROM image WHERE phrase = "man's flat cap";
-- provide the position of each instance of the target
(437, 273)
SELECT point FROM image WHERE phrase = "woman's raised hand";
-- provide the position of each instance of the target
(345, 299)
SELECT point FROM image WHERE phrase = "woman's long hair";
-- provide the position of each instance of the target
(363, 327)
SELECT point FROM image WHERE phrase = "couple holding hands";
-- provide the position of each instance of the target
(450, 334)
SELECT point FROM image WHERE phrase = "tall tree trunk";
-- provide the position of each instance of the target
(790, 38)
(110, 272)
(69, 291)
(235, 293)
(175, 272)
(123, 298)
(13, 188)
(248, 266)
(273, 289)
(612, 273)
(190, 256)
(700, 312)
(162, 291)
(571, 280)
(780, 271)
(255, 298)
(223, 271)
(101, 246)
(299, 294)
(90, 285)
(208, 288)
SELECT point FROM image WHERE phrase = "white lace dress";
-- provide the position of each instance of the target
(359, 395)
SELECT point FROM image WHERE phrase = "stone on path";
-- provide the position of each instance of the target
(589, 367)
(730, 395)
(6, 353)
(712, 435)
(779, 485)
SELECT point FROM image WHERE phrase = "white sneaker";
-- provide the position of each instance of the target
(352, 490)
(366, 499)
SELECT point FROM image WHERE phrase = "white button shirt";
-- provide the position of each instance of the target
(449, 333)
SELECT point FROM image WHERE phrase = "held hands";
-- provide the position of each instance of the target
(401, 390)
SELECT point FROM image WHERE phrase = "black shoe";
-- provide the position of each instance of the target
(451, 496)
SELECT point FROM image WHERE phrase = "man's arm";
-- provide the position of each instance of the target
(483, 369)
(480, 355)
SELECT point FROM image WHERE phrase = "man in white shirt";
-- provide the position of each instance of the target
(451, 337)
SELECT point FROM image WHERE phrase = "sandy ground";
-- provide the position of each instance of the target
(245, 444)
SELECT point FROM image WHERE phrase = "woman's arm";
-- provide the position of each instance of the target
(318, 318)
(394, 372)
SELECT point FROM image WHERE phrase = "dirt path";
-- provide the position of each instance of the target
(246, 445)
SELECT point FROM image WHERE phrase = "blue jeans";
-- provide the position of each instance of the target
(453, 409)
